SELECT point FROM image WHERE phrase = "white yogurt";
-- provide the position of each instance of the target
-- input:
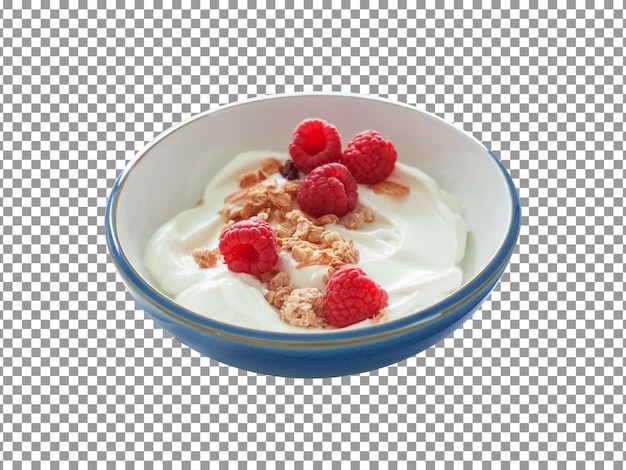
(413, 250)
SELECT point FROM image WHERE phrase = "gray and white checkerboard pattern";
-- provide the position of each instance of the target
(536, 375)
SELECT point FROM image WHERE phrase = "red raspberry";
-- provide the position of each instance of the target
(369, 157)
(328, 189)
(351, 297)
(249, 246)
(313, 143)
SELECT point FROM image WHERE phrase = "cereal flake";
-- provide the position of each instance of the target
(206, 258)
(305, 308)
(355, 220)
(390, 188)
(270, 166)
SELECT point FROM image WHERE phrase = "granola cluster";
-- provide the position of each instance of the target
(311, 244)
(355, 219)
(303, 307)
(391, 188)
(206, 258)
(260, 196)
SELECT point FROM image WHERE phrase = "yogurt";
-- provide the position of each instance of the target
(412, 249)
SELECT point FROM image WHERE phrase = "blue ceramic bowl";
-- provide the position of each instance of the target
(171, 172)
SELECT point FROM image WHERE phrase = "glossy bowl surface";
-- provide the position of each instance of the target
(171, 172)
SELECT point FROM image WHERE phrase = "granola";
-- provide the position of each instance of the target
(355, 220)
(311, 244)
(206, 258)
(256, 197)
(390, 188)
(305, 308)
(278, 289)
(270, 166)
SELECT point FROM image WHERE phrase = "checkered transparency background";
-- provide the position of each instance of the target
(537, 374)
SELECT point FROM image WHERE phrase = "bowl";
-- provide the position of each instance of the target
(170, 173)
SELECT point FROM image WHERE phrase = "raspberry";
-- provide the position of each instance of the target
(314, 143)
(249, 246)
(369, 157)
(351, 296)
(328, 189)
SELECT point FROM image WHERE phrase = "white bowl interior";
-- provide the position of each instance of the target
(171, 173)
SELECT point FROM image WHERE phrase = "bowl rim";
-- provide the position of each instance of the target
(428, 320)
